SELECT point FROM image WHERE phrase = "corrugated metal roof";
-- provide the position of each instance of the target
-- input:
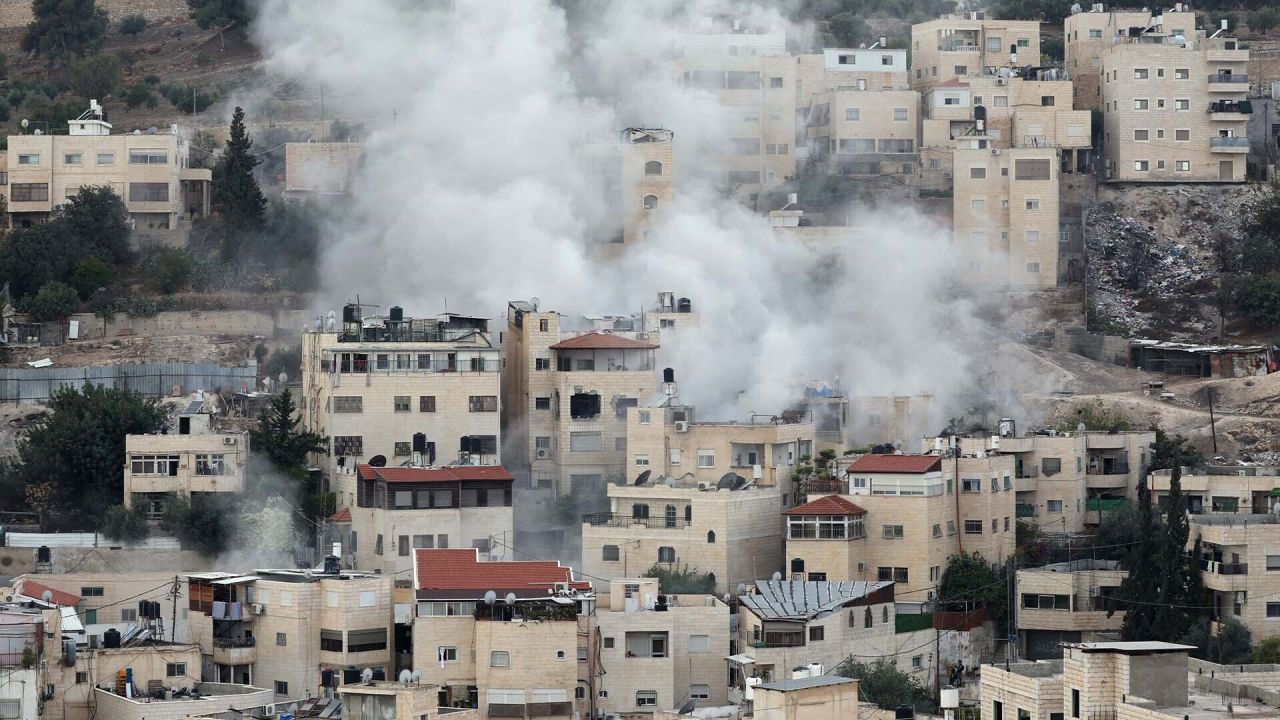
(803, 683)
(795, 600)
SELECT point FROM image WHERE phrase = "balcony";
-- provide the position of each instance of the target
(1025, 510)
(779, 640)
(609, 519)
(817, 487)
(1229, 83)
(1230, 110)
(1225, 55)
(234, 651)
(959, 47)
(1235, 145)
(1224, 577)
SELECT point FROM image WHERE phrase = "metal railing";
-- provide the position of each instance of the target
(1228, 142)
(608, 519)
(1221, 568)
(1115, 469)
(245, 642)
(1230, 107)
(1233, 79)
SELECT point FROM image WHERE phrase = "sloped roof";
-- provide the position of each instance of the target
(602, 341)
(439, 571)
(453, 473)
(826, 505)
(805, 683)
(343, 515)
(896, 464)
(794, 600)
(36, 591)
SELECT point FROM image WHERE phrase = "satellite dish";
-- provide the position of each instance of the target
(534, 302)
(777, 576)
(727, 481)
(416, 677)
(511, 598)
(1080, 427)
(25, 123)
(47, 596)
(643, 477)
(405, 677)
(283, 377)
(490, 597)
(742, 588)
(366, 675)
(687, 707)
(739, 482)
(378, 461)
(38, 131)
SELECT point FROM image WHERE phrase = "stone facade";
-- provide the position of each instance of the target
(196, 459)
(960, 48)
(1091, 32)
(1067, 602)
(315, 169)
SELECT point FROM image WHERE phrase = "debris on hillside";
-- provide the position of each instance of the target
(1155, 254)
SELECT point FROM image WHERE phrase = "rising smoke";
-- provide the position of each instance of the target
(477, 189)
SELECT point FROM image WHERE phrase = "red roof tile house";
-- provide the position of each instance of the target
(502, 636)
(902, 516)
(400, 509)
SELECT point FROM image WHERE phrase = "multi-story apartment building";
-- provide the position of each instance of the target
(962, 47)
(1240, 568)
(1222, 489)
(148, 171)
(816, 697)
(749, 73)
(897, 518)
(509, 638)
(106, 599)
(1065, 481)
(1067, 602)
(389, 700)
(637, 170)
(660, 650)
(295, 631)
(1092, 31)
(373, 384)
(314, 170)
(193, 457)
(396, 510)
(702, 495)
(1174, 107)
(152, 664)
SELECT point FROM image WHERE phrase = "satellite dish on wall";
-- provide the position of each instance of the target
(777, 576)
(643, 477)
(25, 123)
(47, 596)
(534, 302)
(378, 461)
(490, 597)
(511, 598)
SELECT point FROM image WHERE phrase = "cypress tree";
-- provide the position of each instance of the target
(235, 191)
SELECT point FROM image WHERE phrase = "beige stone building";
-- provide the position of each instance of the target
(106, 598)
(374, 384)
(386, 700)
(148, 171)
(638, 172)
(1174, 107)
(316, 170)
(1093, 30)
(153, 665)
(397, 510)
(749, 73)
(897, 518)
(817, 697)
(1225, 489)
(964, 47)
(1240, 568)
(194, 457)
(1121, 680)
(1065, 603)
(296, 632)
(659, 650)
(519, 652)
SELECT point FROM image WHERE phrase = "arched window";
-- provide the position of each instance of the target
(866, 618)
(884, 613)
(653, 167)
(711, 537)
(650, 202)
(688, 513)
(671, 516)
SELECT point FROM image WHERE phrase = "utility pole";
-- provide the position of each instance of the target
(1213, 428)
(175, 591)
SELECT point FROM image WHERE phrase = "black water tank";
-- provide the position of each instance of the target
(331, 565)
(397, 313)
(464, 443)
(668, 375)
(797, 565)
(420, 443)
(684, 305)
(350, 313)
(980, 113)
(111, 638)
(903, 712)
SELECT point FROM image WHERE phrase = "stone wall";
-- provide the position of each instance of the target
(194, 322)
(17, 13)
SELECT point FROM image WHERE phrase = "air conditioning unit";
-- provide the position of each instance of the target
(1000, 81)
(256, 608)
(682, 426)
(229, 440)
(704, 486)
(543, 453)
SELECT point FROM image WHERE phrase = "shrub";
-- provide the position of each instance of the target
(170, 270)
(1259, 299)
(139, 94)
(133, 24)
(53, 301)
(127, 525)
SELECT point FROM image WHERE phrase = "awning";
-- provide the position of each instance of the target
(237, 580)
(741, 659)
(70, 621)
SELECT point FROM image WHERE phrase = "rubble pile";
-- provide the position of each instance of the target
(1154, 257)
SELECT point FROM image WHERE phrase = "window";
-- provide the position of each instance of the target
(29, 192)
(1033, 267)
(706, 458)
(935, 573)
(106, 158)
(585, 442)
(816, 633)
(1006, 524)
(711, 537)
(427, 403)
(900, 114)
(1033, 204)
(1075, 703)
(446, 653)
(148, 157)
(1141, 135)
(282, 687)
(348, 404)
(972, 527)
(1273, 610)
(977, 173)
(852, 114)
(892, 532)
(348, 445)
(72, 159)
(499, 659)
(1095, 33)
(484, 403)
(937, 530)
(330, 640)
(82, 678)
(1001, 101)
(961, 69)
(1181, 73)
(282, 639)
(610, 553)
(1046, 602)
(129, 615)
(1032, 236)
(649, 202)
(424, 541)
(402, 403)
(642, 460)
(1140, 103)
(699, 692)
(1180, 105)
(29, 159)
(917, 662)
(1046, 100)
(1141, 165)
(1160, 103)
(971, 485)
(1182, 135)
(646, 698)
(1140, 73)
(148, 192)
(653, 167)
(1051, 465)
(666, 554)
(153, 465)
(1182, 165)
(888, 574)
(977, 204)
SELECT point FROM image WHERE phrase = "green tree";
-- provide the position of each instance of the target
(849, 29)
(235, 191)
(62, 29)
(1165, 450)
(1262, 20)
(277, 437)
(203, 523)
(99, 222)
(1233, 645)
(54, 301)
(284, 360)
(1260, 226)
(1117, 534)
(170, 270)
(1267, 652)
(127, 525)
(681, 579)
(139, 94)
(881, 683)
(970, 583)
(1141, 586)
(70, 459)
(95, 76)
(224, 14)
(1180, 590)
(1094, 416)
(1258, 298)
(1051, 48)
(133, 24)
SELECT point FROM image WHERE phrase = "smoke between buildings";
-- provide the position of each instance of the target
(478, 187)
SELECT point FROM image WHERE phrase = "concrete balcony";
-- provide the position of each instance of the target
(1229, 145)
(228, 651)
(1224, 55)
(1230, 110)
(1229, 83)
(608, 519)
(1224, 577)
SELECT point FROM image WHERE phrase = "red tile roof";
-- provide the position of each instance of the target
(601, 340)
(453, 473)
(36, 591)
(914, 464)
(343, 515)
(826, 505)
(460, 573)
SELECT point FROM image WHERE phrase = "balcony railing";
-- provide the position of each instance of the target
(1114, 469)
(777, 641)
(959, 47)
(1229, 142)
(1244, 107)
(1024, 510)
(840, 487)
(608, 519)
(1029, 473)
(1221, 568)
(1233, 79)
(223, 642)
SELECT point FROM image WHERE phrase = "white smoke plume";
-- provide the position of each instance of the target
(477, 189)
